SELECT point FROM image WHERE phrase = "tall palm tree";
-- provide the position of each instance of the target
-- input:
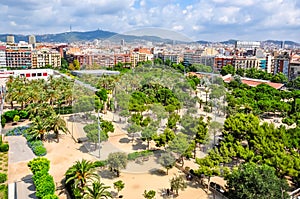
(80, 173)
(97, 190)
(56, 124)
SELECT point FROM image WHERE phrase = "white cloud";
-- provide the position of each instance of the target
(12, 23)
(177, 28)
(201, 19)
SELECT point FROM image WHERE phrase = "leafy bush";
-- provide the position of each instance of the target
(3, 177)
(45, 186)
(3, 121)
(3, 191)
(23, 114)
(17, 131)
(50, 197)
(288, 121)
(138, 154)
(40, 150)
(9, 115)
(42, 180)
(36, 146)
(100, 163)
(16, 118)
(39, 164)
(4, 147)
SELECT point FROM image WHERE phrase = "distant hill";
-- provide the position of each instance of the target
(67, 37)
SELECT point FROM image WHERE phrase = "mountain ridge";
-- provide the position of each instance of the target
(67, 37)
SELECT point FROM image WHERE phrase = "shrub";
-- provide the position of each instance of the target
(3, 121)
(16, 118)
(36, 146)
(3, 177)
(40, 151)
(24, 114)
(100, 163)
(45, 186)
(4, 147)
(137, 154)
(9, 115)
(50, 197)
(39, 164)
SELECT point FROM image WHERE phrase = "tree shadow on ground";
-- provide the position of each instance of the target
(124, 140)
(139, 146)
(158, 172)
(107, 174)
(83, 149)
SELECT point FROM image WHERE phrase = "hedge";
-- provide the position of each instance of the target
(43, 181)
(37, 146)
(39, 164)
(3, 177)
(138, 154)
(50, 196)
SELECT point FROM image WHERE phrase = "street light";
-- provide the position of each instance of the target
(99, 130)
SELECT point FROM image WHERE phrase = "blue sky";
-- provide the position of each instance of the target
(214, 20)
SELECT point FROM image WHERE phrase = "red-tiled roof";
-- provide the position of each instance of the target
(255, 82)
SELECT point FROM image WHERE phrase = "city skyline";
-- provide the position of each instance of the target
(213, 20)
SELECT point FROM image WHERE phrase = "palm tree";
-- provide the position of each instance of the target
(80, 173)
(56, 124)
(97, 190)
(38, 128)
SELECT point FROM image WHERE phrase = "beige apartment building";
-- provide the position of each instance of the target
(45, 57)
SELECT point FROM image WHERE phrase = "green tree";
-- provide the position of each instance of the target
(76, 64)
(149, 194)
(132, 129)
(167, 160)
(228, 69)
(178, 183)
(254, 181)
(179, 145)
(148, 134)
(117, 161)
(164, 138)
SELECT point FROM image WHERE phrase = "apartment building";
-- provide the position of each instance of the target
(219, 62)
(45, 57)
(294, 69)
(280, 63)
(2, 57)
(18, 55)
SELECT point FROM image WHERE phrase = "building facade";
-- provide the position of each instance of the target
(18, 56)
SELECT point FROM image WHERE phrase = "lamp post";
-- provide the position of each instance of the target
(99, 130)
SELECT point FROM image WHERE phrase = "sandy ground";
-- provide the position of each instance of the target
(62, 155)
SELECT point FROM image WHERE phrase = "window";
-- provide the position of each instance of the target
(45, 74)
(28, 75)
(39, 74)
(22, 75)
(33, 74)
